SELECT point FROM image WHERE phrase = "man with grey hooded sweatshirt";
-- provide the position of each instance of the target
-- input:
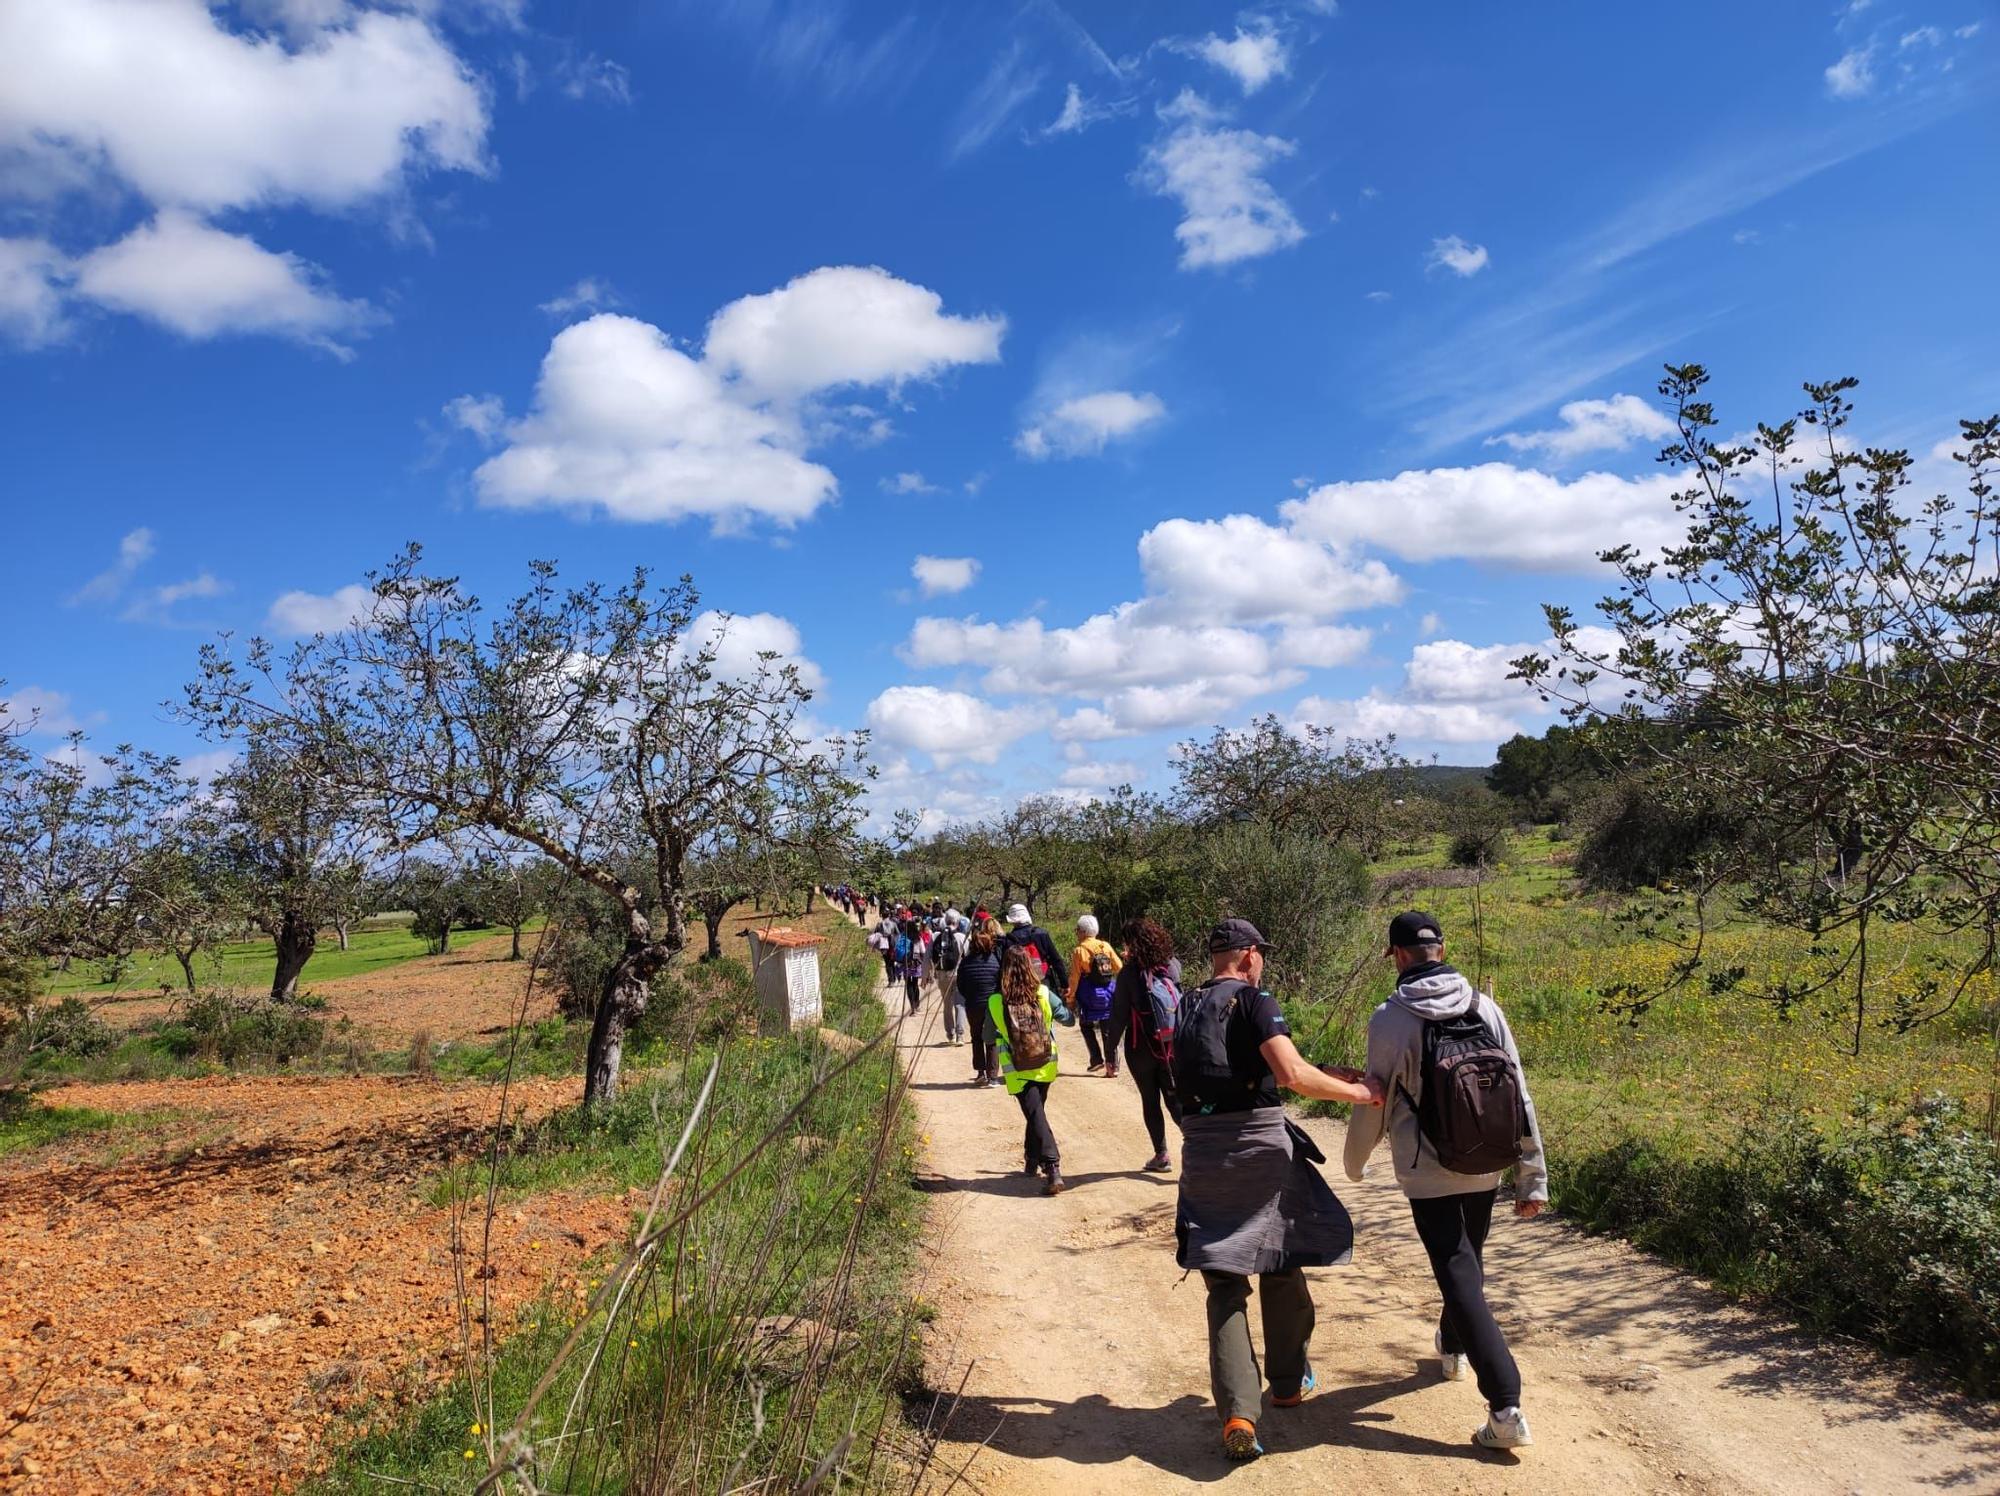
(1450, 1144)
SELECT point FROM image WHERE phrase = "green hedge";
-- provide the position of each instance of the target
(1888, 1230)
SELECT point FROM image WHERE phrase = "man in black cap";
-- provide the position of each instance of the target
(1251, 1201)
(1457, 1117)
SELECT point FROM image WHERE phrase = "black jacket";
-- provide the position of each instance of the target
(1058, 978)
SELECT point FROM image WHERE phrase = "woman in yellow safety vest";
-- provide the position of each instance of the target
(1024, 1020)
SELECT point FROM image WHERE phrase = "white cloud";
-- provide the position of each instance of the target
(39, 710)
(159, 95)
(1923, 36)
(1009, 83)
(845, 325)
(909, 483)
(135, 549)
(1241, 568)
(485, 416)
(1079, 113)
(32, 274)
(202, 584)
(939, 576)
(1380, 296)
(201, 283)
(1593, 426)
(741, 640)
(1853, 76)
(1252, 58)
(1377, 715)
(1229, 212)
(1454, 254)
(588, 295)
(1083, 425)
(950, 726)
(1321, 646)
(301, 613)
(1495, 513)
(625, 421)
(1093, 774)
(1429, 626)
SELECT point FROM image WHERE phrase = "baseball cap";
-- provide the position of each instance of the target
(1236, 935)
(1017, 914)
(1414, 927)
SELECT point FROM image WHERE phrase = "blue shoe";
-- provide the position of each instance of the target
(1239, 1439)
(1305, 1390)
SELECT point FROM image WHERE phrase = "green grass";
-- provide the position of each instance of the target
(772, 1242)
(28, 1123)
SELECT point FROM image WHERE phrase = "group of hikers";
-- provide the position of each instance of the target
(1442, 1083)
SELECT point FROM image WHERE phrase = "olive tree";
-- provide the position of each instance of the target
(1824, 644)
(575, 722)
(1312, 780)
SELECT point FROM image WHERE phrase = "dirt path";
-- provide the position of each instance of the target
(195, 1316)
(1088, 1360)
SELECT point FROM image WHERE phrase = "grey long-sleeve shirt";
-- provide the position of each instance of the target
(1396, 1059)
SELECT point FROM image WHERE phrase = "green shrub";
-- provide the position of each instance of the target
(233, 1029)
(1888, 1230)
(68, 1028)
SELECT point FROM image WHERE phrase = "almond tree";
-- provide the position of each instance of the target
(1824, 646)
(575, 722)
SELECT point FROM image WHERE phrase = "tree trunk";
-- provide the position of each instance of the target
(444, 938)
(713, 924)
(186, 958)
(627, 986)
(515, 953)
(296, 939)
(810, 891)
(340, 930)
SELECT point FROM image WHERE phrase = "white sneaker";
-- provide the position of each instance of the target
(1506, 1428)
(1451, 1368)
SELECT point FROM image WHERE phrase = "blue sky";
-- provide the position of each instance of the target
(1056, 381)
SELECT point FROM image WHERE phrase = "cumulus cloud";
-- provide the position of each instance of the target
(951, 726)
(1592, 426)
(845, 325)
(1216, 173)
(1454, 254)
(485, 416)
(1494, 513)
(202, 283)
(625, 421)
(1378, 716)
(940, 576)
(1243, 568)
(162, 99)
(1253, 58)
(301, 613)
(741, 643)
(1085, 424)
(39, 710)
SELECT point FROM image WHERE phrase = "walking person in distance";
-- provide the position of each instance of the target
(1145, 1003)
(978, 980)
(1093, 969)
(1457, 1115)
(947, 950)
(1023, 1014)
(1252, 1204)
(1025, 934)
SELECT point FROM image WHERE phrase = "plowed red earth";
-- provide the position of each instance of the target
(198, 1315)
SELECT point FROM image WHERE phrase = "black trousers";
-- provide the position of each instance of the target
(1453, 1230)
(1156, 1090)
(979, 1028)
(1099, 1040)
(1038, 1141)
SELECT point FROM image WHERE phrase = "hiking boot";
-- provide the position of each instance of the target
(1159, 1163)
(1239, 1439)
(1505, 1428)
(1305, 1391)
(1096, 1066)
(1032, 1166)
(1111, 1072)
(1055, 1186)
(1453, 1367)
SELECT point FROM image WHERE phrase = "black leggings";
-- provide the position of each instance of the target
(1038, 1140)
(1156, 1087)
(979, 1028)
(1099, 1039)
(1453, 1229)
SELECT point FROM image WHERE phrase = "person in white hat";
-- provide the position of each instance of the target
(1042, 953)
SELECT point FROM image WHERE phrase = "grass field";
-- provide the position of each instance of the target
(247, 965)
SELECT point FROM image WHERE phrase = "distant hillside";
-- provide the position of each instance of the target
(1442, 779)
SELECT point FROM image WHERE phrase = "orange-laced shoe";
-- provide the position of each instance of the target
(1239, 1439)
(1305, 1391)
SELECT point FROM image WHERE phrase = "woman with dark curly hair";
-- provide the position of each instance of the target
(1149, 951)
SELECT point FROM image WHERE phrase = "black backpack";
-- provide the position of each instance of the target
(944, 951)
(1202, 1071)
(1471, 1109)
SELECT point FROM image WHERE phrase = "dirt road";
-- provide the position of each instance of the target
(197, 1314)
(1088, 1361)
